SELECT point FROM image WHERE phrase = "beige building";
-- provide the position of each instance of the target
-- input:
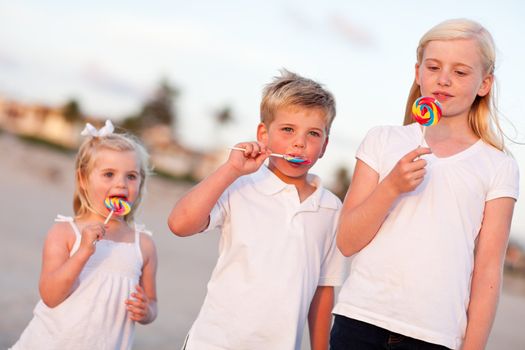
(51, 125)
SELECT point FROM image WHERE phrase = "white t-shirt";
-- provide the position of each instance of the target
(414, 277)
(274, 252)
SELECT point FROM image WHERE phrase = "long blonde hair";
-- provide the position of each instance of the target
(85, 162)
(482, 118)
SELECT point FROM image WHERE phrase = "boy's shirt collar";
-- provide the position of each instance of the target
(266, 182)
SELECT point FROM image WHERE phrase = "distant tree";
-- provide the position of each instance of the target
(342, 182)
(224, 116)
(72, 111)
(159, 109)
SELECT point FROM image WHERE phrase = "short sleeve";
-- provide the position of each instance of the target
(370, 148)
(506, 181)
(218, 212)
(334, 265)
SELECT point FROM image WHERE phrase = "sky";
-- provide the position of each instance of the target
(110, 55)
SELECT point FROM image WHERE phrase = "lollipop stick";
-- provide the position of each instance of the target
(109, 217)
(242, 149)
(423, 136)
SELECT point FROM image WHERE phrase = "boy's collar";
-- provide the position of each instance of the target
(266, 182)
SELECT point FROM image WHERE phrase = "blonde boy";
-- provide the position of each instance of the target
(278, 259)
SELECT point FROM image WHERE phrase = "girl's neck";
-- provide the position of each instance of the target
(450, 136)
(452, 128)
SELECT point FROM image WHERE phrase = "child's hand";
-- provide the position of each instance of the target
(250, 159)
(409, 171)
(92, 233)
(138, 307)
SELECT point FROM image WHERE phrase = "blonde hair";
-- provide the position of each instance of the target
(85, 161)
(482, 118)
(290, 89)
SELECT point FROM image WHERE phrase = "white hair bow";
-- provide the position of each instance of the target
(106, 130)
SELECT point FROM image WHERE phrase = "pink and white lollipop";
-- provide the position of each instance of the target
(287, 157)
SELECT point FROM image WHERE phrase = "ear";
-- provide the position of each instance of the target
(81, 180)
(262, 133)
(486, 85)
(416, 68)
(324, 147)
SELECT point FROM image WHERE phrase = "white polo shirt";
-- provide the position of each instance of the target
(274, 251)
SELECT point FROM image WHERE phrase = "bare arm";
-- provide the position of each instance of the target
(191, 213)
(367, 202)
(59, 270)
(488, 270)
(320, 317)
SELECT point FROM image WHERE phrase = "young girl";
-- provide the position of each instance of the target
(97, 279)
(429, 225)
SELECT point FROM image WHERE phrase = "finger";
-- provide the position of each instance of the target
(139, 289)
(419, 174)
(139, 309)
(248, 148)
(412, 155)
(140, 297)
(256, 150)
(137, 314)
(265, 150)
(418, 164)
(100, 235)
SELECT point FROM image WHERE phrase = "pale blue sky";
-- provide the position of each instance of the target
(110, 54)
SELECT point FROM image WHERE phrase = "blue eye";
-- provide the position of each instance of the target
(315, 133)
(108, 174)
(287, 129)
(132, 177)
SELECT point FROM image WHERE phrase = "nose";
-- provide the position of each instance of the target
(299, 141)
(444, 78)
(121, 182)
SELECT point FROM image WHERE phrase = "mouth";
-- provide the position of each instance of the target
(296, 159)
(441, 95)
(120, 196)
(118, 204)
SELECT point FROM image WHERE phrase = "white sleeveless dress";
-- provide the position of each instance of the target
(94, 316)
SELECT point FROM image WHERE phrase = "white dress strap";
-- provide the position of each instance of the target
(140, 228)
(62, 218)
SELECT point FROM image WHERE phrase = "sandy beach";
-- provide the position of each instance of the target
(36, 183)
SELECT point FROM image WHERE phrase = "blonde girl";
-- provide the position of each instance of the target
(428, 226)
(97, 279)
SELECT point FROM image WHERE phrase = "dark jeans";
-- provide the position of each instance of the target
(350, 334)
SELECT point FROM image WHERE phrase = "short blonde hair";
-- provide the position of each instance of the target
(290, 89)
(85, 161)
(482, 118)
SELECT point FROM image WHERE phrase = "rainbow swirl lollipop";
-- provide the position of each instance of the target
(426, 111)
(116, 205)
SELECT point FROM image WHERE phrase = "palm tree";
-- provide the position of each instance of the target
(159, 109)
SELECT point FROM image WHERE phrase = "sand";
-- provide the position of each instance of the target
(36, 183)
